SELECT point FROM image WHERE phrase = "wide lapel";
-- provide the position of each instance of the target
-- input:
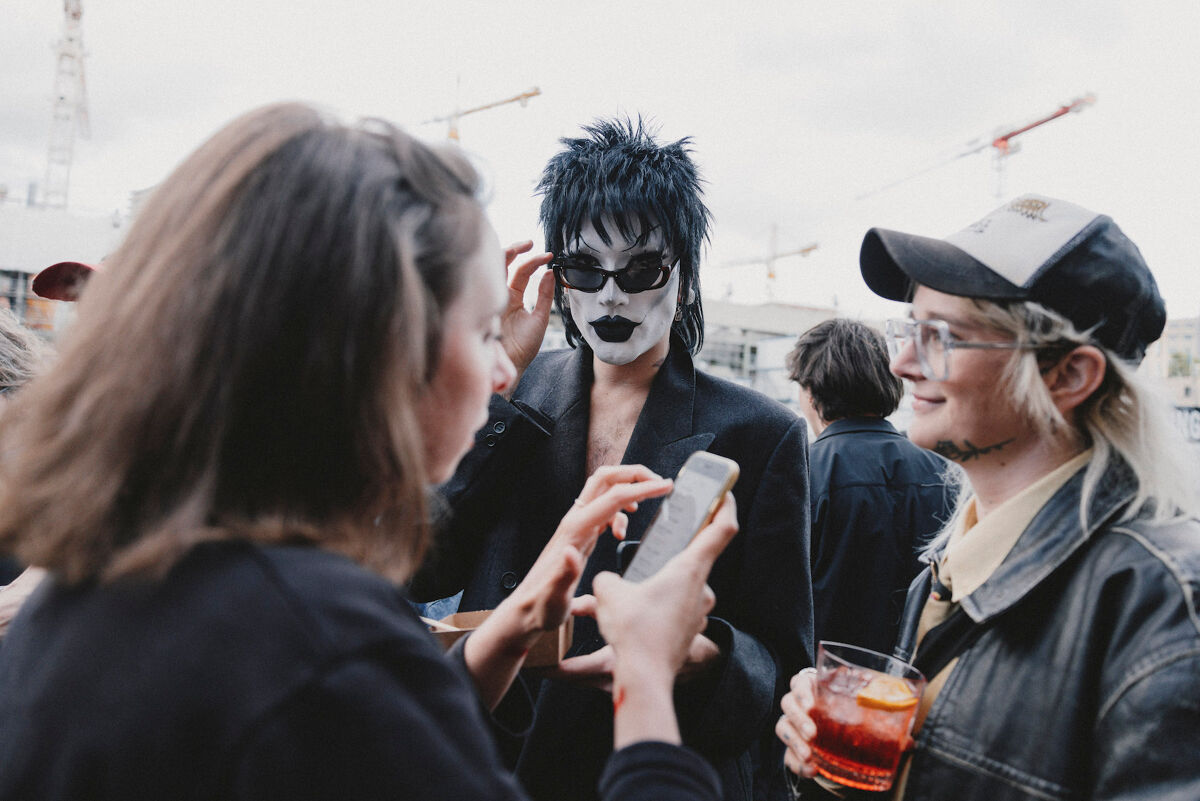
(562, 393)
(665, 436)
(662, 440)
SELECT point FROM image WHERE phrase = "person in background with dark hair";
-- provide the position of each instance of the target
(877, 499)
(226, 473)
(625, 221)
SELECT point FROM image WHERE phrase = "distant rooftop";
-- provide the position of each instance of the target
(768, 319)
(32, 238)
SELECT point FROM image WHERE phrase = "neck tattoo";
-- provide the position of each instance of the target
(967, 451)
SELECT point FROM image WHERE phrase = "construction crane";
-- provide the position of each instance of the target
(454, 116)
(1001, 142)
(772, 256)
(70, 115)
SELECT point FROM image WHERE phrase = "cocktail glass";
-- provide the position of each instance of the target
(864, 714)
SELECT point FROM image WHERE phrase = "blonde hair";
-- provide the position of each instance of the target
(1125, 420)
(22, 352)
(248, 363)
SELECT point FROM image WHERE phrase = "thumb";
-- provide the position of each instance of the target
(583, 606)
(604, 584)
(569, 571)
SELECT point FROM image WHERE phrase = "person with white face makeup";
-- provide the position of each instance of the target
(624, 223)
(631, 311)
(225, 474)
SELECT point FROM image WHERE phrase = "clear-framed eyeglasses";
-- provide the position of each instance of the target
(934, 343)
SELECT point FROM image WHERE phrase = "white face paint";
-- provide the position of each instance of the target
(619, 326)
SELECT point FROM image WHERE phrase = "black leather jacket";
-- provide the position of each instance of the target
(1085, 680)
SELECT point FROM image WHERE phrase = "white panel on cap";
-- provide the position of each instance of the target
(1016, 239)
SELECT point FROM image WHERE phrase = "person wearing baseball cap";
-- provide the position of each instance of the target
(1057, 619)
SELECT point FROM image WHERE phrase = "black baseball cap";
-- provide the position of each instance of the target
(1062, 256)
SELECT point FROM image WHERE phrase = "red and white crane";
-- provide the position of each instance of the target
(1001, 143)
(453, 117)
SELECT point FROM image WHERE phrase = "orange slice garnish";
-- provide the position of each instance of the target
(887, 692)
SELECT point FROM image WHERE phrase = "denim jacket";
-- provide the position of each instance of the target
(1085, 680)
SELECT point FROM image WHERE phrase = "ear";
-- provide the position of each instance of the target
(1075, 377)
(815, 421)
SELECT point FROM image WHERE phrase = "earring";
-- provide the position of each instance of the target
(678, 314)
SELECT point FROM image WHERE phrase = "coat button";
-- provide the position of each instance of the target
(499, 427)
(490, 440)
(508, 580)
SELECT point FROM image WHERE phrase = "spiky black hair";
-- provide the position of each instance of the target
(619, 170)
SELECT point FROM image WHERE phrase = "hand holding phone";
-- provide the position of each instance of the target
(701, 484)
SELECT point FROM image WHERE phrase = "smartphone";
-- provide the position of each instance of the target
(701, 484)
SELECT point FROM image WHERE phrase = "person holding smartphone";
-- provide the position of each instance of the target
(624, 222)
(226, 474)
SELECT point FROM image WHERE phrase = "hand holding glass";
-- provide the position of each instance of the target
(865, 704)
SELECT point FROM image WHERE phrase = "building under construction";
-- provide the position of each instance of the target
(37, 230)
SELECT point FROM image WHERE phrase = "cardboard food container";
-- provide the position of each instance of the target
(547, 651)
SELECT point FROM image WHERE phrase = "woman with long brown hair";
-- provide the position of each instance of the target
(228, 467)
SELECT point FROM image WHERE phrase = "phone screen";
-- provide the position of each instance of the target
(699, 487)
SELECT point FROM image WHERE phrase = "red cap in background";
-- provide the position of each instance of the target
(64, 280)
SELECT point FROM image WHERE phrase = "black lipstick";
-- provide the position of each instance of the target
(613, 329)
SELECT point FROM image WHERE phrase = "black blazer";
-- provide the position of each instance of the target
(526, 469)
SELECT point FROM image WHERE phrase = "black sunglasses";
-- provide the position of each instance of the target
(644, 271)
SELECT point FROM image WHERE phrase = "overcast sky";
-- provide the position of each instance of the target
(796, 109)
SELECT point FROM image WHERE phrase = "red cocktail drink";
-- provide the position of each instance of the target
(864, 713)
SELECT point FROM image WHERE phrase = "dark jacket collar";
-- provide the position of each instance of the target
(670, 411)
(665, 433)
(556, 382)
(1050, 539)
(851, 425)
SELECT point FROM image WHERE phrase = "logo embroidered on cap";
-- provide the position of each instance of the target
(1030, 207)
(1010, 245)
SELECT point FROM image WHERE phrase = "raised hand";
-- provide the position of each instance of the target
(607, 495)
(596, 669)
(542, 600)
(660, 617)
(652, 627)
(522, 329)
